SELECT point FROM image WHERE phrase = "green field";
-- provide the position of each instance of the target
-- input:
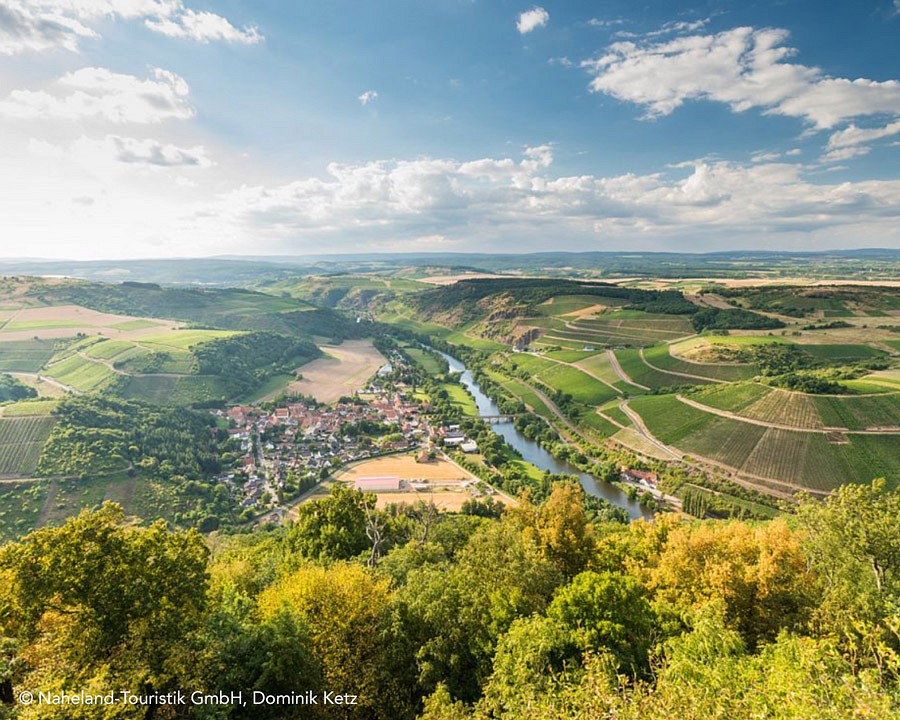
(701, 347)
(151, 358)
(26, 355)
(858, 413)
(150, 388)
(564, 304)
(461, 399)
(139, 496)
(612, 410)
(186, 339)
(80, 373)
(669, 420)
(757, 509)
(26, 408)
(581, 386)
(571, 356)
(733, 397)
(597, 424)
(660, 357)
(202, 388)
(274, 384)
(21, 441)
(567, 378)
(793, 409)
(887, 380)
(599, 365)
(460, 337)
(135, 325)
(616, 328)
(430, 363)
(641, 373)
(108, 349)
(50, 324)
(842, 352)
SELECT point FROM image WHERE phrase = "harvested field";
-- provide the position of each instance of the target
(447, 500)
(406, 468)
(442, 479)
(63, 321)
(347, 368)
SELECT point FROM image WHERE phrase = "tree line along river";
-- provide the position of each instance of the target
(538, 456)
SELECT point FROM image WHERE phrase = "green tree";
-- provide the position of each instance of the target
(333, 528)
(607, 612)
(854, 547)
(103, 605)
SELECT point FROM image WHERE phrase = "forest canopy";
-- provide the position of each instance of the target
(540, 613)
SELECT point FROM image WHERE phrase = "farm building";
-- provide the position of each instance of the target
(382, 483)
(648, 479)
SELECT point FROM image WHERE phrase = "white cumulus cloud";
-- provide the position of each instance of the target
(100, 153)
(203, 27)
(532, 20)
(25, 28)
(94, 93)
(744, 68)
(41, 25)
(514, 204)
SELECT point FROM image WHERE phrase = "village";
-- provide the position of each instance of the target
(285, 450)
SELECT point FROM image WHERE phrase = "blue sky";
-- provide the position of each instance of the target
(147, 128)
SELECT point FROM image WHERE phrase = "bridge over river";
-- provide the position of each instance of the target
(497, 418)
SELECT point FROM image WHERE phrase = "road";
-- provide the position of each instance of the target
(790, 428)
(738, 476)
(679, 374)
(639, 425)
(49, 381)
(614, 361)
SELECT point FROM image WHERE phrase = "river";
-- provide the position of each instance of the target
(536, 455)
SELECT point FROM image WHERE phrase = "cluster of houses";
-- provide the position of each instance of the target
(310, 440)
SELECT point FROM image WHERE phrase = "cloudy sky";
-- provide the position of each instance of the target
(150, 128)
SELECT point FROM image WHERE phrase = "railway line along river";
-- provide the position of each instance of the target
(538, 456)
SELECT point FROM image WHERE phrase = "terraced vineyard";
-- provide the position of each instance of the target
(732, 397)
(82, 374)
(817, 460)
(617, 328)
(566, 378)
(26, 355)
(660, 356)
(21, 441)
(568, 304)
(842, 352)
(858, 413)
(643, 374)
(781, 407)
(600, 366)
